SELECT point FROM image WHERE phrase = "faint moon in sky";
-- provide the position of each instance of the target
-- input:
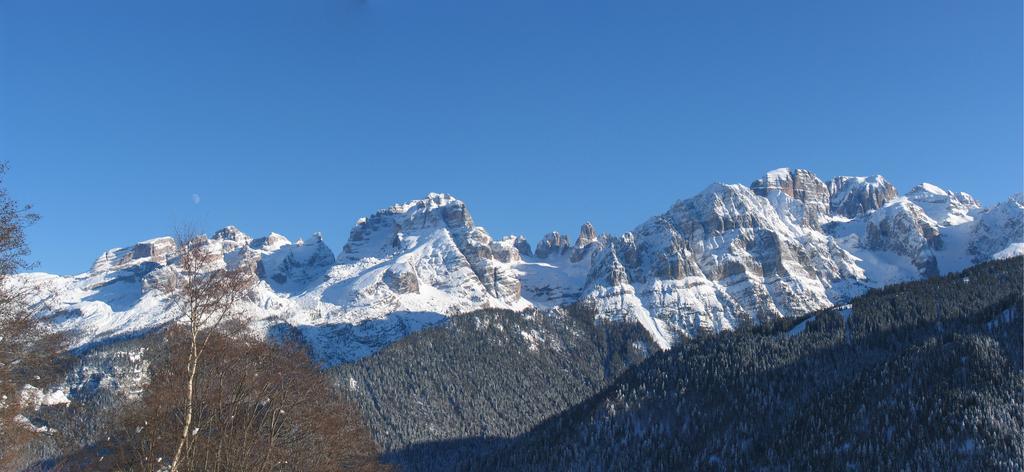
(195, 198)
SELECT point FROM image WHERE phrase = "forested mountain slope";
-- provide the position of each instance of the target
(924, 375)
(456, 390)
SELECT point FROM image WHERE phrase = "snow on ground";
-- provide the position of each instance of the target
(800, 327)
(553, 281)
(845, 311)
(955, 255)
(1013, 250)
(1006, 316)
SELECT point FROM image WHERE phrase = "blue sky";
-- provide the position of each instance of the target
(298, 117)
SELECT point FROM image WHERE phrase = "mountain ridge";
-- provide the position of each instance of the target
(787, 244)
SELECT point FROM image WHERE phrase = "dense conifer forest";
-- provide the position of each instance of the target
(923, 376)
(458, 390)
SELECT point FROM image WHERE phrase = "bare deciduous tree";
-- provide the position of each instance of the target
(28, 348)
(262, 407)
(204, 293)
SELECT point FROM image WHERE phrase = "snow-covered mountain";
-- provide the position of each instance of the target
(787, 244)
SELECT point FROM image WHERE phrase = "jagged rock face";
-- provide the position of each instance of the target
(587, 235)
(728, 256)
(271, 242)
(382, 234)
(854, 196)
(905, 229)
(457, 266)
(489, 260)
(506, 249)
(522, 246)
(552, 244)
(153, 250)
(436, 243)
(801, 185)
(663, 250)
(295, 266)
(586, 243)
(720, 259)
(231, 233)
(998, 229)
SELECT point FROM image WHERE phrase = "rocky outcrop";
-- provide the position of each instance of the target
(800, 185)
(296, 266)
(522, 246)
(506, 250)
(154, 250)
(851, 197)
(401, 278)
(997, 228)
(233, 234)
(587, 236)
(553, 243)
(904, 229)
(489, 260)
(270, 242)
(586, 243)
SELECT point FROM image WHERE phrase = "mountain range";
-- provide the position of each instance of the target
(787, 244)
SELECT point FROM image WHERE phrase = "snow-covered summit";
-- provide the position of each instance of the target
(855, 196)
(388, 231)
(943, 206)
(732, 254)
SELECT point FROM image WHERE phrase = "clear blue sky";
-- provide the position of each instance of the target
(302, 116)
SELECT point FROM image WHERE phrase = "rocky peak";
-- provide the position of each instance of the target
(270, 242)
(855, 196)
(801, 185)
(437, 209)
(152, 250)
(438, 225)
(381, 234)
(231, 233)
(293, 266)
(587, 235)
(523, 246)
(584, 242)
(721, 208)
(943, 206)
(997, 228)
(315, 238)
(157, 248)
(927, 193)
(553, 243)
(968, 199)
